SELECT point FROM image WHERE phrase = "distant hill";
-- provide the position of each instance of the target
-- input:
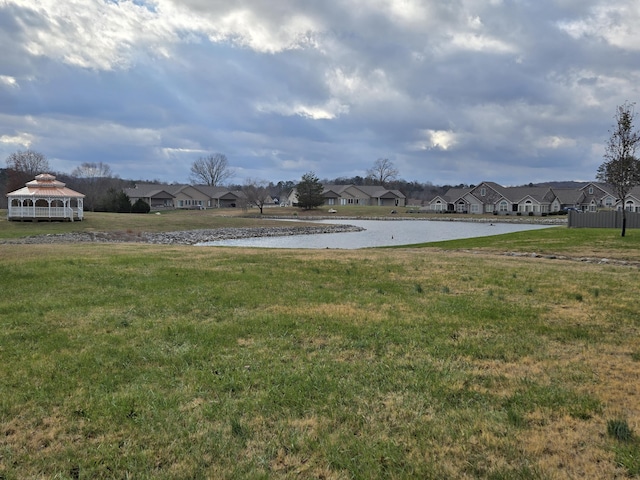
(562, 184)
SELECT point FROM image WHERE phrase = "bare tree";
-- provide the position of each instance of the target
(24, 166)
(621, 168)
(92, 171)
(211, 170)
(94, 180)
(383, 171)
(257, 192)
(28, 162)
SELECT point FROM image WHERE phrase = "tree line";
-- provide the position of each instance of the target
(104, 191)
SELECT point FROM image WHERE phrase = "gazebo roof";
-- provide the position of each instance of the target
(45, 185)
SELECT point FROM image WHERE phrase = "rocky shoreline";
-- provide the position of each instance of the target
(187, 237)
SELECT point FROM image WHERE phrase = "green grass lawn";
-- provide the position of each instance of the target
(145, 361)
(573, 242)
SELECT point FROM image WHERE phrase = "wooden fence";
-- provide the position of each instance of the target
(603, 219)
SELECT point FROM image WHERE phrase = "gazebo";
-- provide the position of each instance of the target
(45, 198)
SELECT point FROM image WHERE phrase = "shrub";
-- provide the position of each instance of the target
(140, 207)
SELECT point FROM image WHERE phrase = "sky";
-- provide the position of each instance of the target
(451, 91)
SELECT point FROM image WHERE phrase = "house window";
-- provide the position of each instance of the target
(461, 207)
(181, 203)
(503, 206)
(592, 207)
(590, 190)
(331, 201)
(475, 208)
(608, 201)
(489, 208)
(483, 191)
(630, 207)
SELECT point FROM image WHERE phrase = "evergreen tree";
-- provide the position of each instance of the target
(115, 201)
(310, 191)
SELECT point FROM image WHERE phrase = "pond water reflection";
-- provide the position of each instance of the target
(380, 233)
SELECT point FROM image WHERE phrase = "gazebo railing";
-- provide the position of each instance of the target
(44, 212)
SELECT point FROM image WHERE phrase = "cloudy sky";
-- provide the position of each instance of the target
(452, 91)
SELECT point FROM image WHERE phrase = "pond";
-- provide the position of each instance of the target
(381, 233)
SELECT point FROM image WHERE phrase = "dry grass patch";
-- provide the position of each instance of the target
(565, 446)
(350, 312)
(570, 448)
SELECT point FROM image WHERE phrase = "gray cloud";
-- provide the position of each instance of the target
(452, 92)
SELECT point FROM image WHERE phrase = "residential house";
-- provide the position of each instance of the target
(382, 197)
(596, 196)
(480, 199)
(369, 195)
(489, 197)
(533, 200)
(155, 195)
(290, 199)
(528, 200)
(632, 202)
(185, 196)
(448, 202)
(601, 195)
(364, 195)
(190, 197)
(493, 198)
(221, 197)
(570, 198)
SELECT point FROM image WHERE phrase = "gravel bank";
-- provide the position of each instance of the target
(190, 237)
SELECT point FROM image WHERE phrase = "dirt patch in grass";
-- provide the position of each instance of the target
(571, 448)
(355, 313)
(48, 435)
(565, 446)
